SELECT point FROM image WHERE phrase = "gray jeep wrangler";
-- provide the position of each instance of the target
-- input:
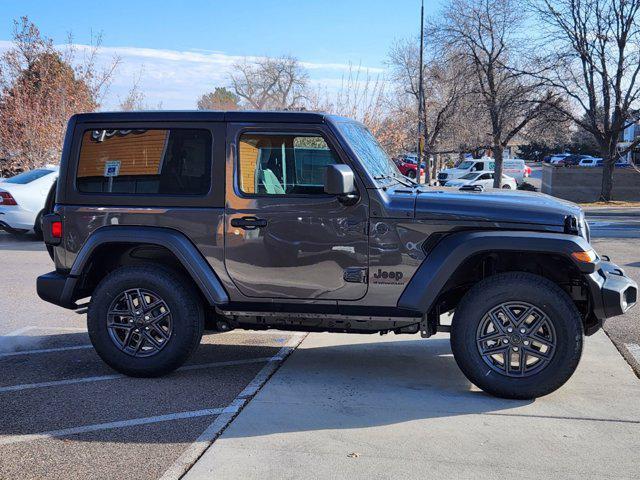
(164, 222)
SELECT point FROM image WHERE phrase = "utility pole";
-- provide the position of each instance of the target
(421, 105)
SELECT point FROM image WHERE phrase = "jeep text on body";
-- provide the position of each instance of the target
(169, 221)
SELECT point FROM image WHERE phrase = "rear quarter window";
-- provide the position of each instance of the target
(174, 161)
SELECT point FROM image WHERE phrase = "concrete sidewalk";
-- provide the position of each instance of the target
(365, 406)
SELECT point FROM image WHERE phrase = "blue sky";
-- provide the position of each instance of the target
(164, 42)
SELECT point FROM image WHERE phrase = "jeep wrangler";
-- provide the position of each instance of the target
(164, 222)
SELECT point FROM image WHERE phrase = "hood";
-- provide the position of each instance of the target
(494, 206)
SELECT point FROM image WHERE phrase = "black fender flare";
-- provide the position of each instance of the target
(444, 259)
(176, 242)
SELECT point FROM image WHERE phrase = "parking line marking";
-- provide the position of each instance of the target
(44, 350)
(73, 381)
(6, 440)
(206, 439)
(634, 350)
(197, 448)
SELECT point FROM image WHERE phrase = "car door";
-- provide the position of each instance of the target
(284, 237)
(486, 180)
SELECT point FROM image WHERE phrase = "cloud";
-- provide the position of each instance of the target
(176, 78)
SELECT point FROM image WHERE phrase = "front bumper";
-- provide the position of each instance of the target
(612, 292)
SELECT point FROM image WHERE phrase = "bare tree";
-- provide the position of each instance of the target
(40, 90)
(270, 83)
(593, 51)
(444, 86)
(484, 36)
(220, 99)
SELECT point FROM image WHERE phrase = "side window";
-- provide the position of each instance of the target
(486, 176)
(145, 161)
(283, 164)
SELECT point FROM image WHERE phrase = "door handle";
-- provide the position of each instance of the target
(248, 223)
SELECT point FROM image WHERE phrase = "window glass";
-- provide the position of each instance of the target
(28, 177)
(282, 164)
(466, 165)
(145, 161)
(469, 176)
(486, 176)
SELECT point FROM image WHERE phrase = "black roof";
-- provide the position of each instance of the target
(202, 116)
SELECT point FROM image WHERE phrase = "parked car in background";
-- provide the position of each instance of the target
(22, 199)
(527, 171)
(408, 166)
(465, 167)
(558, 157)
(484, 179)
(589, 161)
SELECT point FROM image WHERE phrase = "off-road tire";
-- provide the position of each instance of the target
(517, 287)
(187, 314)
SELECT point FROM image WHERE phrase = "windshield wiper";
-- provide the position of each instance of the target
(403, 181)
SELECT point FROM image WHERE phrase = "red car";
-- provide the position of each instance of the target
(527, 171)
(408, 167)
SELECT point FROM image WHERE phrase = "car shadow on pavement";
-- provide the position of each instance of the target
(21, 241)
(365, 385)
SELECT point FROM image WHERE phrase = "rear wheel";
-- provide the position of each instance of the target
(506, 187)
(411, 174)
(145, 321)
(517, 335)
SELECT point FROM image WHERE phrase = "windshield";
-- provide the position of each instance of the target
(466, 165)
(469, 176)
(367, 149)
(28, 177)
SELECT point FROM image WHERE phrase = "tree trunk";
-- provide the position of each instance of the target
(497, 155)
(607, 176)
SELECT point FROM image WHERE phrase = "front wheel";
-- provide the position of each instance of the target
(506, 187)
(411, 174)
(517, 335)
(145, 321)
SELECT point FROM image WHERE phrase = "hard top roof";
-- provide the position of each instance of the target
(205, 116)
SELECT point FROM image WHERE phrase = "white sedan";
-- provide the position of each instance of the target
(22, 199)
(484, 179)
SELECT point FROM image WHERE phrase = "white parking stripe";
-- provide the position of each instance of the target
(45, 350)
(6, 440)
(195, 450)
(204, 441)
(634, 350)
(72, 381)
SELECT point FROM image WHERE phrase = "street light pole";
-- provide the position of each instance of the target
(421, 103)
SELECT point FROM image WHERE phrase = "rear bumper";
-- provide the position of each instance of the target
(57, 288)
(612, 292)
(15, 218)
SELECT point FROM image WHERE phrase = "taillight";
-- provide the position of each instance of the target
(7, 199)
(56, 229)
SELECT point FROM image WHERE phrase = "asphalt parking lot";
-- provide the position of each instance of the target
(65, 414)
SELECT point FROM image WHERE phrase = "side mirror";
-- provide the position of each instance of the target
(339, 180)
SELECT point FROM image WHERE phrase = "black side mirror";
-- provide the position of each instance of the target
(339, 180)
